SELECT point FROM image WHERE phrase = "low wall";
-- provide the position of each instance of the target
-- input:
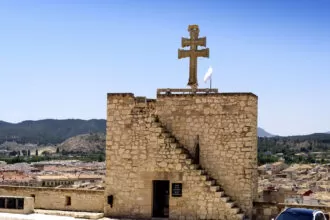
(59, 199)
(268, 210)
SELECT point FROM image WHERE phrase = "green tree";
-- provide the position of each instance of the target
(100, 158)
(310, 159)
(45, 153)
(13, 153)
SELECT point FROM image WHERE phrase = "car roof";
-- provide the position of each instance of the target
(301, 210)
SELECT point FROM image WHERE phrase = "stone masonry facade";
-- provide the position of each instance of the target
(55, 198)
(150, 140)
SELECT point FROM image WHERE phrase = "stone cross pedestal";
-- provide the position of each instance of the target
(185, 91)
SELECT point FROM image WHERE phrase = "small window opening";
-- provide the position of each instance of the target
(68, 200)
(20, 203)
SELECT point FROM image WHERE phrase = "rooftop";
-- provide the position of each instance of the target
(69, 177)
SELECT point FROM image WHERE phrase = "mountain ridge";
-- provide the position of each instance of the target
(88, 137)
(55, 131)
(48, 131)
(263, 133)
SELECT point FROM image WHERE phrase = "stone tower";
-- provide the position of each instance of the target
(151, 155)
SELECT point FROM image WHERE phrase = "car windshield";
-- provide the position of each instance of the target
(294, 216)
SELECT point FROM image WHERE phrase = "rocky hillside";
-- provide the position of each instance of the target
(84, 143)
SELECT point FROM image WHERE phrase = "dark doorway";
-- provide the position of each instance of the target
(161, 189)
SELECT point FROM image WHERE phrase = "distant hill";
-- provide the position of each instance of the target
(48, 131)
(293, 146)
(263, 133)
(85, 143)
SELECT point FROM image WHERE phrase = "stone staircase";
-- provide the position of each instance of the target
(211, 185)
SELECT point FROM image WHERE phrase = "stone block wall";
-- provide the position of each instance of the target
(55, 199)
(226, 124)
(138, 151)
(265, 210)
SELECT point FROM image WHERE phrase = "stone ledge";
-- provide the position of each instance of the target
(255, 203)
(74, 214)
(121, 94)
(49, 189)
(185, 91)
(143, 99)
(204, 92)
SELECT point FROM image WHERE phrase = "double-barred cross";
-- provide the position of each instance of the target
(193, 53)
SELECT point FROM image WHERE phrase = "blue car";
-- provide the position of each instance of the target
(301, 214)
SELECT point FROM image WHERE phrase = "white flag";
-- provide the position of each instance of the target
(208, 74)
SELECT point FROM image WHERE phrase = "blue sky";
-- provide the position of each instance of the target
(59, 58)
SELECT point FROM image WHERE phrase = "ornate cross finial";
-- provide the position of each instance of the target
(193, 53)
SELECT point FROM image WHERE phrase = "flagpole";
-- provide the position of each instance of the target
(208, 76)
(210, 82)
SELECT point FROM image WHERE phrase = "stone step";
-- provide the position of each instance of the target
(210, 182)
(220, 194)
(183, 156)
(214, 188)
(156, 124)
(169, 140)
(160, 129)
(165, 134)
(230, 204)
(193, 166)
(154, 118)
(174, 145)
(185, 152)
(200, 172)
(204, 177)
(225, 198)
(179, 151)
(240, 216)
(235, 210)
